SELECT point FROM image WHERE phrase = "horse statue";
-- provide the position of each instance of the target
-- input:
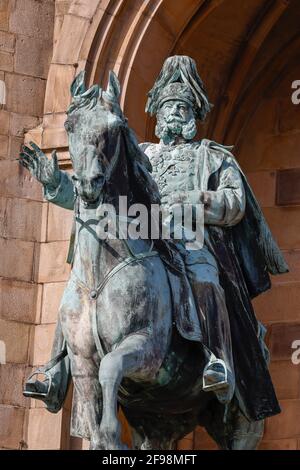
(122, 338)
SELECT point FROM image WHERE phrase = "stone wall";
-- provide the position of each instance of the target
(26, 34)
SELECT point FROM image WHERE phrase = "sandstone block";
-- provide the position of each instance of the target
(72, 35)
(16, 259)
(286, 379)
(286, 425)
(44, 429)
(4, 143)
(281, 303)
(12, 379)
(42, 344)
(6, 61)
(58, 95)
(16, 181)
(4, 14)
(21, 123)
(7, 42)
(16, 338)
(85, 8)
(52, 294)
(4, 122)
(11, 429)
(59, 223)
(50, 263)
(33, 56)
(25, 95)
(20, 301)
(22, 218)
(32, 18)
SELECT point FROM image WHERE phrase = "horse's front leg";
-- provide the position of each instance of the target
(133, 358)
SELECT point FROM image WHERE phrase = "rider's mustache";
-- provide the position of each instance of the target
(174, 118)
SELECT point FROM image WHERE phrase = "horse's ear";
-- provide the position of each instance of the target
(113, 87)
(78, 84)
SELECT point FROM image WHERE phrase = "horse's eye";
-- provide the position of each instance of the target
(74, 178)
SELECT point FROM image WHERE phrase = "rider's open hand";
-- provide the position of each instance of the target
(45, 170)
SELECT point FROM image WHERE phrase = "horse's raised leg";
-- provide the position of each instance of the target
(85, 378)
(133, 358)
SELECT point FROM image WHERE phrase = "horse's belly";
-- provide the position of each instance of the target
(136, 300)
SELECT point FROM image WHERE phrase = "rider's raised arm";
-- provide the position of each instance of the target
(63, 195)
(57, 184)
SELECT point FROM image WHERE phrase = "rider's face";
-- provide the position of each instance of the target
(176, 110)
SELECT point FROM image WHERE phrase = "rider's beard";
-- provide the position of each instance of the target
(171, 127)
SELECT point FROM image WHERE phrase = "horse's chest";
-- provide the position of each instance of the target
(173, 171)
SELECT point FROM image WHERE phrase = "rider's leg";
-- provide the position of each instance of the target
(213, 314)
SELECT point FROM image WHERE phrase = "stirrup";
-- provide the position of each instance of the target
(218, 385)
(29, 386)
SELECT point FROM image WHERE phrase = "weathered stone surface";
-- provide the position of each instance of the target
(4, 144)
(59, 223)
(33, 56)
(289, 238)
(52, 294)
(286, 424)
(16, 338)
(7, 42)
(23, 219)
(21, 123)
(4, 122)
(32, 18)
(44, 429)
(4, 14)
(58, 96)
(85, 8)
(11, 429)
(16, 259)
(6, 61)
(25, 95)
(12, 377)
(20, 301)
(15, 147)
(72, 34)
(17, 181)
(54, 138)
(286, 379)
(281, 303)
(293, 260)
(50, 263)
(42, 344)
(62, 7)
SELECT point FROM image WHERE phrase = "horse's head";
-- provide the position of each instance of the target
(93, 126)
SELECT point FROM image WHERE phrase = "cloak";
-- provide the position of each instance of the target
(246, 253)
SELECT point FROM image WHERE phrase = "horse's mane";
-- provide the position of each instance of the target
(142, 185)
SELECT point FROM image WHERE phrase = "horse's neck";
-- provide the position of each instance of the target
(92, 261)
